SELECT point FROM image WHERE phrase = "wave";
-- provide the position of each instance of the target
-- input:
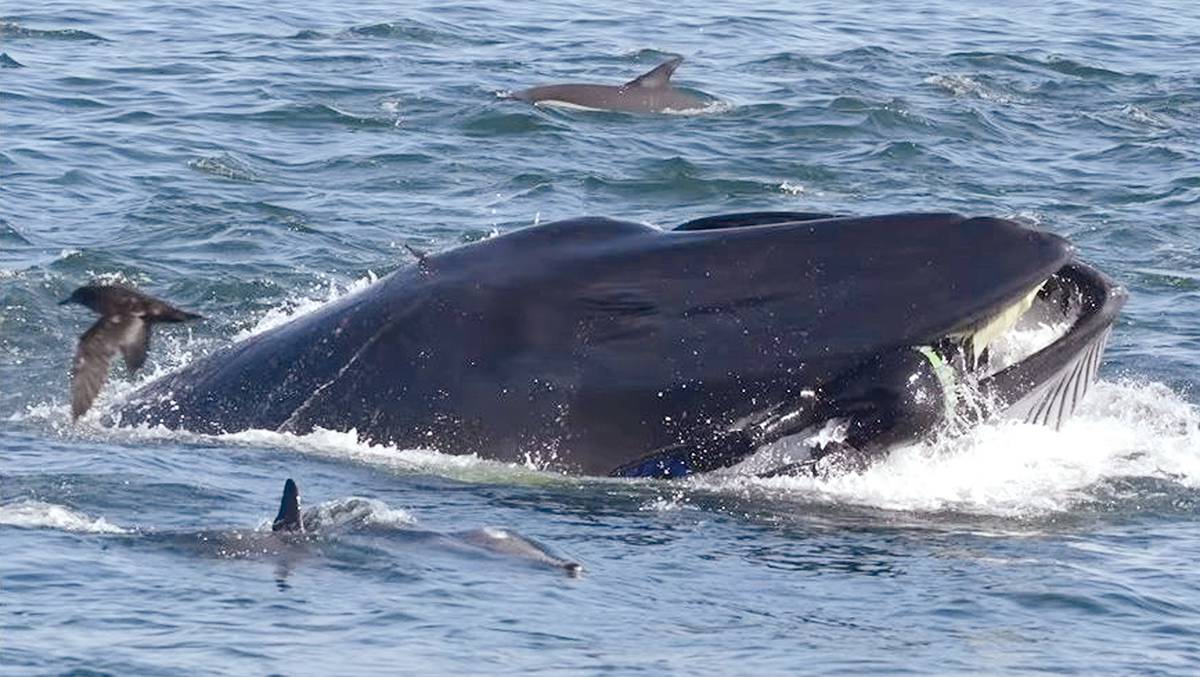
(31, 514)
(224, 166)
(355, 512)
(1054, 63)
(307, 114)
(407, 30)
(301, 305)
(966, 86)
(12, 30)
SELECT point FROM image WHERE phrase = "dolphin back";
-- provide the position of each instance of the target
(650, 92)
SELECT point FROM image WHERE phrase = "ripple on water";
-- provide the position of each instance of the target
(978, 87)
(15, 31)
(225, 166)
(531, 120)
(309, 114)
(407, 30)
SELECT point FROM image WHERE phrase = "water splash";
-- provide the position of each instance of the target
(225, 166)
(1124, 429)
(30, 514)
(355, 512)
(967, 86)
(301, 305)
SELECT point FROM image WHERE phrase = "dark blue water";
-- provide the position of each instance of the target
(252, 163)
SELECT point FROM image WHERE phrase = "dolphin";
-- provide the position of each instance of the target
(650, 92)
(297, 534)
(491, 540)
(619, 348)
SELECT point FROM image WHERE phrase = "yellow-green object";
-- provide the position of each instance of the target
(983, 334)
(945, 376)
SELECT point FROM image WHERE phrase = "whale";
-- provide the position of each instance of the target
(597, 346)
(650, 92)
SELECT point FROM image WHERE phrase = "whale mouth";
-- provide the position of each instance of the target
(1062, 313)
(1035, 359)
(1043, 362)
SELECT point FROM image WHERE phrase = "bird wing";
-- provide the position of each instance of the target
(110, 334)
(135, 344)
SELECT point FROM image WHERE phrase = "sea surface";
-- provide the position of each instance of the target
(251, 162)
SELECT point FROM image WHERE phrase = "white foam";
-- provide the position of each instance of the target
(792, 188)
(354, 511)
(302, 305)
(711, 107)
(1015, 345)
(1143, 115)
(350, 446)
(965, 85)
(30, 514)
(673, 501)
(1122, 429)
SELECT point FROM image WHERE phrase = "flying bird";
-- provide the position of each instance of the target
(126, 316)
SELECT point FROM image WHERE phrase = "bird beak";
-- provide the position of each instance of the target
(64, 302)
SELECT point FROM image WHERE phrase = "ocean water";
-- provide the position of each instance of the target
(251, 163)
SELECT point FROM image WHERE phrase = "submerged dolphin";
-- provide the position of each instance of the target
(298, 534)
(648, 93)
(617, 348)
(492, 540)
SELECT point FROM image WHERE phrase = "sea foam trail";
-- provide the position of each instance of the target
(1122, 430)
(29, 514)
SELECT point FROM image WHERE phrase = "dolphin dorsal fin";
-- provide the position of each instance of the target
(659, 77)
(288, 518)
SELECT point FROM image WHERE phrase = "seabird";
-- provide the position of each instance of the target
(124, 326)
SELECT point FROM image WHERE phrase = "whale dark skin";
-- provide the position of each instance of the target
(594, 342)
